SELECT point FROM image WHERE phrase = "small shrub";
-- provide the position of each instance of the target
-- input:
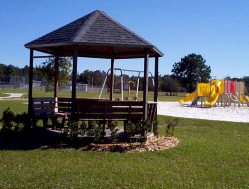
(8, 119)
(114, 130)
(155, 128)
(96, 131)
(171, 123)
(131, 129)
(74, 129)
(142, 139)
(65, 133)
(83, 128)
(22, 121)
(146, 125)
(89, 130)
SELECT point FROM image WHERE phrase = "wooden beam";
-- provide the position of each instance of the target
(74, 80)
(52, 56)
(43, 56)
(112, 79)
(31, 64)
(145, 84)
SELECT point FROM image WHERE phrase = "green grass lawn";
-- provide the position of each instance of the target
(3, 95)
(17, 106)
(38, 93)
(211, 154)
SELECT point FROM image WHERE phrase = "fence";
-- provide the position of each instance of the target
(21, 83)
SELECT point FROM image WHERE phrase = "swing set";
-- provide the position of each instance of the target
(122, 72)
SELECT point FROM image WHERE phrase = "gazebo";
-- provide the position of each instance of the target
(97, 35)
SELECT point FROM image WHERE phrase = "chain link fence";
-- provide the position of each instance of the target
(22, 83)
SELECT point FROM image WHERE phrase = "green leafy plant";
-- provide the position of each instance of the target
(114, 130)
(18, 124)
(170, 125)
(96, 131)
(65, 133)
(74, 129)
(83, 128)
(8, 119)
(155, 128)
(131, 128)
(22, 122)
(146, 125)
(90, 128)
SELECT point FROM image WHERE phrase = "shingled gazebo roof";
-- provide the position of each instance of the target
(96, 35)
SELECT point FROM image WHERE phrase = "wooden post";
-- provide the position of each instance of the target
(112, 79)
(122, 87)
(56, 76)
(156, 79)
(74, 81)
(155, 92)
(31, 63)
(145, 84)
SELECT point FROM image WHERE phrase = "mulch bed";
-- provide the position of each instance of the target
(152, 144)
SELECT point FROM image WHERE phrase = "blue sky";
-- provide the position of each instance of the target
(216, 29)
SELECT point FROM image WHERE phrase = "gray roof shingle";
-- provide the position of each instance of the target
(96, 28)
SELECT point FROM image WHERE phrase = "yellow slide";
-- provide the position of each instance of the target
(214, 94)
(189, 97)
(243, 98)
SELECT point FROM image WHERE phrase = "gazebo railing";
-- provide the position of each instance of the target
(109, 110)
(92, 109)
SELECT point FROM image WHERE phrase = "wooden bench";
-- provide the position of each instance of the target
(109, 110)
(44, 108)
(105, 110)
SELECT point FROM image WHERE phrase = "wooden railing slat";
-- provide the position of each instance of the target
(43, 99)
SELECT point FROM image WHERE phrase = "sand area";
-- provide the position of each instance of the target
(176, 109)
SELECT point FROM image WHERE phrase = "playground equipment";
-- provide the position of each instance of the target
(122, 81)
(189, 97)
(216, 90)
(219, 91)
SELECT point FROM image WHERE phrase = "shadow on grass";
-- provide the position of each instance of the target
(38, 139)
(46, 139)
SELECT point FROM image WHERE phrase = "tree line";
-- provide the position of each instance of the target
(185, 74)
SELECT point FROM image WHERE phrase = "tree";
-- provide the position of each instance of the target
(10, 70)
(190, 69)
(47, 70)
(170, 84)
(246, 83)
(87, 77)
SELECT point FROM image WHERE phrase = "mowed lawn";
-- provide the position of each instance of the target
(211, 154)
(80, 94)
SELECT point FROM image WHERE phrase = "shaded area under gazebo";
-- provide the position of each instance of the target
(96, 35)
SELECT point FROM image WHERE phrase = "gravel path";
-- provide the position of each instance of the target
(12, 95)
